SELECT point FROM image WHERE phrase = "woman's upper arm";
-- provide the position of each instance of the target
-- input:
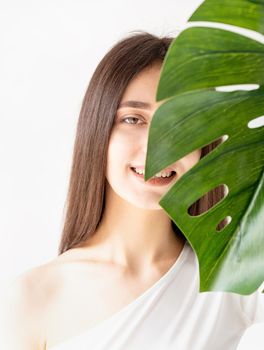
(20, 317)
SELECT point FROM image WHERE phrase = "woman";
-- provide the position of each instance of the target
(125, 276)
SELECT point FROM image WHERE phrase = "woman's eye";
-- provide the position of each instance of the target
(130, 118)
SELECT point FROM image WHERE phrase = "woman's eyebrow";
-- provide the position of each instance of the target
(135, 104)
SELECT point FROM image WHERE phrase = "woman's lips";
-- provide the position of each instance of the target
(142, 167)
(157, 181)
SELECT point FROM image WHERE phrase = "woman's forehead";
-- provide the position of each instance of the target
(141, 90)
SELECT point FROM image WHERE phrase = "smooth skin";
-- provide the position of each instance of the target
(133, 247)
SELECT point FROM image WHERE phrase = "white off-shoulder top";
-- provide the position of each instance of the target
(172, 314)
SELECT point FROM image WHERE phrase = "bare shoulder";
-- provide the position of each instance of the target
(32, 308)
(23, 306)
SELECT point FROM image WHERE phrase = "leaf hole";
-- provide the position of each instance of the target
(228, 88)
(208, 201)
(223, 223)
(256, 123)
(213, 145)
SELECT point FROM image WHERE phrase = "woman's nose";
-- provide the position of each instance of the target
(144, 143)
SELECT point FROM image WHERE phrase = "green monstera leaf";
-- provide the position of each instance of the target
(195, 114)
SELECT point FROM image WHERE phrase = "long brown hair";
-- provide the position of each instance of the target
(86, 191)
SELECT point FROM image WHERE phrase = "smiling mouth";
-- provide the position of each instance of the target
(171, 175)
(155, 180)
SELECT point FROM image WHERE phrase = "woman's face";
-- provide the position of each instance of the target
(128, 144)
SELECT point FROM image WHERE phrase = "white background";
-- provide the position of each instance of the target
(48, 52)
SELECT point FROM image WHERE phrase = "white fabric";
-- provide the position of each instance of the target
(172, 314)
